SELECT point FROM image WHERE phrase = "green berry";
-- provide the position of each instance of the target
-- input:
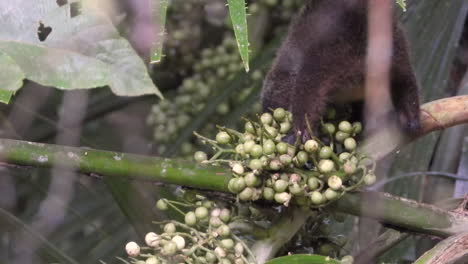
(200, 156)
(282, 148)
(349, 167)
(325, 152)
(273, 132)
(280, 185)
(227, 243)
(247, 194)
(169, 249)
(335, 182)
(328, 128)
(249, 127)
(251, 180)
(370, 179)
(169, 228)
(255, 164)
(201, 212)
(316, 198)
(225, 215)
(330, 194)
(161, 205)
(279, 114)
(296, 189)
(282, 198)
(302, 157)
(256, 151)
(224, 231)
(285, 159)
(248, 145)
(190, 218)
(152, 260)
(268, 193)
(180, 242)
(269, 147)
(215, 221)
(223, 137)
(285, 127)
(326, 166)
(275, 165)
(266, 118)
(312, 183)
(239, 185)
(237, 168)
(350, 144)
(340, 136)
(344, 156)
(345, 126)
(357, 127)
(347, 260)
(311, 146)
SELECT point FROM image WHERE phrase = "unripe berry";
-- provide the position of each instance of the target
(316, 198)
(266, 118)
(282, 148)
(269, 147)
(345, 126)
(349, 167)
(240, 149)
(248, 145)
(325, 152)
(335, 182)
(249, 127)
(227, 243)
(169, 249)
(256, 151)
(190, 218)
(302, 157)
(369, 179)
(223, 137)
(296, 189)
(215, 221)
(347, 260)
(161, 205)
(311, 146)
(285, 127)
(273, 132)
(220, 252)
(225, 215)
(179, 241)
(280, 186)
(330, 194)
(238, 168)
(210, 257)
(312, 183)
(246, 194)
(268, 193)
(251, 180)
(275, 165)
(224, 231)
(279, 114)
(344, 156)
(328, 128)
(282, 198)
(152, 239)
(357, 127)
(200, 156)
(350, 144)
(132, 248)
(238, 249)
(326, 166)
(340, 136)
(201, 212)
(152, 260)
(169, 228)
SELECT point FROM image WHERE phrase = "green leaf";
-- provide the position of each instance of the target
(11, 77)
(303, 259)
(238, 15)
(156, 50)
(402, 4)
(83, 51)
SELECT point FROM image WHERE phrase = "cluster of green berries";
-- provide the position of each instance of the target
(205, 237)
(169, 117)
(311, 173)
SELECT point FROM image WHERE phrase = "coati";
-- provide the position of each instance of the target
(323, 59)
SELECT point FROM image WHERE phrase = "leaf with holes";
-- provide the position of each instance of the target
(58, 44)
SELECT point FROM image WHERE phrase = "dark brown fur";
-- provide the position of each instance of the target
(323, 58)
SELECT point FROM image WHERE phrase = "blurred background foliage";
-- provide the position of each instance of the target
(204, 83)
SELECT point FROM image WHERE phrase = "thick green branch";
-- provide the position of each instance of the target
(107, 163)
